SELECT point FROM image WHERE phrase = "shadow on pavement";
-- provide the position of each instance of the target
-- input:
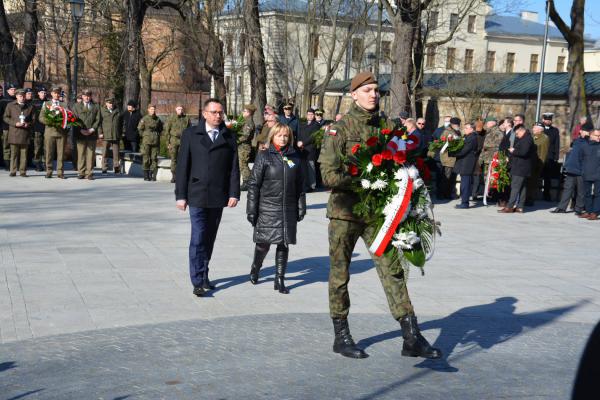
(482, 327)
(318, 206)
(7, 365)
(23, 395)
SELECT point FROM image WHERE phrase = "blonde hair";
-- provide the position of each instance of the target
(275, 129)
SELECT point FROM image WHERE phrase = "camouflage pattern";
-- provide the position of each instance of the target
(174, 126)
(445, 159)
(150, 128)
(491, 144)
(245, 147)
(542, 143)
(344, 227)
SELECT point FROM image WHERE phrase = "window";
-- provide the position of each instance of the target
(510, 62)
(315, 44)
(242, 48)
(469, 60)
(471, 25)
(238, 85)
(453, 21)
(490, 61)
(560, 64)
(430, 63)
(229, 44)
(386, 50)
(433, 20)
(450, 58)
(533, 63)
(357, 49)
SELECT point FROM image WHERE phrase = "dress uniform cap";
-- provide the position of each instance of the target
(548, 116)
(56, 89)
(41, 89)
(455, 121)
(318, 111)
(588, 127)
(87, 92)
(110, 100)
(20, 91)
(10, 86)
(250, 107)
(28, 90)
(288, 106)
(362, 79)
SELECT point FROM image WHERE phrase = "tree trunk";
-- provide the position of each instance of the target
(145, 80)
(256, 57)
(402, 64)
(68, 74)
(135, 10)
(16, 61)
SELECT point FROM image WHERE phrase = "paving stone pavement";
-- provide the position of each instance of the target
(95, 302)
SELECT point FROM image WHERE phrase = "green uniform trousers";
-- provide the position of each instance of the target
(173, 154)
(5, 146)
(343, 236)
(244, 158)
(38, 147)
(86, 152)
(18, 156)
(58, 142)
(150, 157)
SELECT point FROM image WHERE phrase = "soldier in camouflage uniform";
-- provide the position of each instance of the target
(150, 128)
(245, 143)
(174, 126)
(491, 143)
(361, 122)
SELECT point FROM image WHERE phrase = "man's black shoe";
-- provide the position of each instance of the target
(343, 343)
(462, 206)
(558, 211)
(206, 285)
(578, 213)
(199, 291)
(415, 345)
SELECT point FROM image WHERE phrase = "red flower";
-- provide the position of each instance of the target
(398, 133)
(443, 138)
(392, 145)
(387, 155)
(436, 141)
(372, 141)
(353, 170)
(496, 175)
(386, 131)
(400, 157)
(355, 148)
(376, 160)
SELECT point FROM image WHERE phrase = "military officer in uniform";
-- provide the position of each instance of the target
(150, 128)
(361, 122)
(8, 97)
(245, 143)
(174, 126)
(87, 135)
(542, 143)
(38, 130)
(551, 167)
(110, 133)
(54, 138)
(18, 116)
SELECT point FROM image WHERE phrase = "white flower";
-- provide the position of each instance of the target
(405, 240)
(365, 183)
(399, 174)
(382, 174)
(413, 172)
(417, 183)
(369, 167)
(379, 184)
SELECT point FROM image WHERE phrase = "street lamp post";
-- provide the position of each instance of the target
(538, 106)
(77, 7)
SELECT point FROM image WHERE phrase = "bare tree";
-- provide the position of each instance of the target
(575, 40)
(16, 59)
(256, 56)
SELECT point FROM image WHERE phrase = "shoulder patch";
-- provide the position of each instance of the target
(332, 132)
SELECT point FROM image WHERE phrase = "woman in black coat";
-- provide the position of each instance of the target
(276, 201)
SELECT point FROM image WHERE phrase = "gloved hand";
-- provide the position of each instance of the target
(300, 217)
(251, 219)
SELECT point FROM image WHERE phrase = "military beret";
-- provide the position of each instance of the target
(20, 91)
(404, 115)
(132, 103)
(56, 89)
(455, 121)
(362, 79)
(250, 107)
(588, 127)
(548, 116)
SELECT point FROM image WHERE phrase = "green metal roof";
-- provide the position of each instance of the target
(556, 84)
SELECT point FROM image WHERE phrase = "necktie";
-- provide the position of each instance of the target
(213, 134)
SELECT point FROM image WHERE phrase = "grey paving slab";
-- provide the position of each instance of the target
(106, 262)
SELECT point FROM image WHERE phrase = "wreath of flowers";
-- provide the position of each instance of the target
(61, 117)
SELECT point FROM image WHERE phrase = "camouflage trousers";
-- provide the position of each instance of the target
(173, 154)
(343, 236)
(150, 157)
(244, 158)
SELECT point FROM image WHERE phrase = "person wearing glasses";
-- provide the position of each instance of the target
(207, 180)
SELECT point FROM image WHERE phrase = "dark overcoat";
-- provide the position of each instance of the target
(521, 159)
(467, 156)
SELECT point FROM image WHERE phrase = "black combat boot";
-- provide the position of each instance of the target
(153, 175)
(260, 252)
(146, 175)
(281, 259)
(173, 177)
(415, 345)
(343, 343)
(206, 285)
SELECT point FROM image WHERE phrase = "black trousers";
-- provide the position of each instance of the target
(518, 191)
(573, 185)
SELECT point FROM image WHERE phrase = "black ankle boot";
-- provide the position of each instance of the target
(153, 175)
(260, 252)
(281, 258)
(343, 343)
(146, 175)
(415, 345)
(206, 285)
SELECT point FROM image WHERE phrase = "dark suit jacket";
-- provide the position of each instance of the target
(208, 173)
(467, 156)
(521, 159)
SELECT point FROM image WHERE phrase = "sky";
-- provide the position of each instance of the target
(592, 13)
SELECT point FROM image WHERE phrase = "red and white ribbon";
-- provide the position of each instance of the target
(399, 209)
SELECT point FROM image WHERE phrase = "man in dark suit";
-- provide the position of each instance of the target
(465, 163)
(131, 120)
(207, 180)
(306, 145)
(521, 157)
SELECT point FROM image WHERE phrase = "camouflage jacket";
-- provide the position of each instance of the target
(446, 160)
(490, 145)
(247, 134)
(174, 127)
(150, 128)
(354, 128)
